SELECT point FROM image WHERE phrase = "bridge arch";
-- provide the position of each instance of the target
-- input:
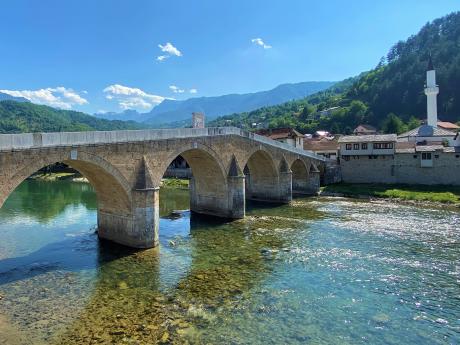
(112, 188)
(122, 215)
(262, 175)
(209, 189)
(300, 175)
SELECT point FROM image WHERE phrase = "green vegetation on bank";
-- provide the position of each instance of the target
(54, 176)
(22, 117)
(175, 183)
(442, 194)
(389, 97)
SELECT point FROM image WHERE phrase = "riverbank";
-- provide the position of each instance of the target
(59, 176)
(175, 183)
(76, 177)
(408, 193)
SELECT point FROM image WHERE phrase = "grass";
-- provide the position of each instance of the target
(54, 176)
(442, 194)
(175, 183)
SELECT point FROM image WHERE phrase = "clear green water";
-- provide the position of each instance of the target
(320, 271)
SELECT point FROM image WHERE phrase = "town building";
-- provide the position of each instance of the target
(365, 130)
(285, 135)
(324, 113)
(429, 154)
(324, 146)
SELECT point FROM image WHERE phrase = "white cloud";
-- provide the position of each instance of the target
(59, 97)
(193, 91)
(132, 98)
(170, 50)
(260, 42)
(162, 57)
(176, 89)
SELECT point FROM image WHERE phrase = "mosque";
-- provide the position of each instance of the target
(429, 154)
(434, 131)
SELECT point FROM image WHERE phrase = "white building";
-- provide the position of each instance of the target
(285, 135)
(428, 154)
(368, 146)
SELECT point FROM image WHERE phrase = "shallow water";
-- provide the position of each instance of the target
(320, 271)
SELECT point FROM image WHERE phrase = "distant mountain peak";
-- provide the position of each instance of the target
(7, 97)
(170, 111)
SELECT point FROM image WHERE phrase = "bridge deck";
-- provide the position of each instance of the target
(13, 142)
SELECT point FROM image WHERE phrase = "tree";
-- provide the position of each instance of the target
(413, 123)
(306, 111)
(393, 124)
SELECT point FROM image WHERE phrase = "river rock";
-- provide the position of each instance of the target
(123, 285)
(381, 318)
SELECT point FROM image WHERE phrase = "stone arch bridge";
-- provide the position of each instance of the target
(125, 168)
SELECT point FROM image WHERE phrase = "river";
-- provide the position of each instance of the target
(319, 271)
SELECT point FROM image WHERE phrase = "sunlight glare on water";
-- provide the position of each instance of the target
(320, 271)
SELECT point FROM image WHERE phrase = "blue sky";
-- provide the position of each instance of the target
(110, 55)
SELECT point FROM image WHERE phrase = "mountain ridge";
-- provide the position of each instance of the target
(21, 117)
(176, 111)
(7, 97)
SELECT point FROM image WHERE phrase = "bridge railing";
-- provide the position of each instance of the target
(10, 142)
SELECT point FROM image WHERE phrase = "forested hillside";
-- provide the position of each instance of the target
(19, 117)
(390, 96)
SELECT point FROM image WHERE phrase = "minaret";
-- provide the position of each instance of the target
(431, 92)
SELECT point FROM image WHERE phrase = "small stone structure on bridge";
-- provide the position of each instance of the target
(125, 168)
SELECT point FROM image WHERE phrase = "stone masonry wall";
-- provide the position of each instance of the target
(404, 169)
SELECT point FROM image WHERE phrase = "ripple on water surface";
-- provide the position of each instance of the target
(321, 271)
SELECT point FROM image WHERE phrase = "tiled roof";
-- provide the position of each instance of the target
(429, 148)
(368, 138)
(405, 150)
(279, 133)
(451, 149)
(322, 144)
(448, 125)
(437, 132)
(365, 128)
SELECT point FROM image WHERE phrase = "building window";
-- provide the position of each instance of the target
(383, 146)
(348, 147)
(426, 156)
(415, 156)
(364, 146)
(436, 156)
(457, 156)
(355, 146)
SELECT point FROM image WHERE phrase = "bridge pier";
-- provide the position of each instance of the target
(227, 205)
(138, 229)
(308, 185)
(271, 190)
